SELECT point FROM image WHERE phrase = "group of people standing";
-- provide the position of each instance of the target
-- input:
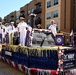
(7, 32)
(4, 30)
(24, 32)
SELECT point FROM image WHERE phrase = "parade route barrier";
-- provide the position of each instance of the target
(39, 61)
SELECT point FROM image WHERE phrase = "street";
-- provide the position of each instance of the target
(6, 69)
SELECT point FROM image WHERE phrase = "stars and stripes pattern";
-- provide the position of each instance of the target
(29, 71)
(60, 60)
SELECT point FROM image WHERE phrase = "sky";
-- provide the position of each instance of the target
(8, 6)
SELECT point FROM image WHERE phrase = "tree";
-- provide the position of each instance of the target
(0, 19)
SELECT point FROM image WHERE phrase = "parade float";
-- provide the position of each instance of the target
(41, 59)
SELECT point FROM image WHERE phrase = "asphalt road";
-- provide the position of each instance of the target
(6, 69)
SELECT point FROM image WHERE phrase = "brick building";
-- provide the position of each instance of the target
(62, 11)
(17, 16)
(37, 7)
(10, 17)
(52, 12)
(68, 15)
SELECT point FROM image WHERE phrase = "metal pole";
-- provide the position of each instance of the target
(32, 21)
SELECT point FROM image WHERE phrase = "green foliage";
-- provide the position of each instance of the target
(0, 19)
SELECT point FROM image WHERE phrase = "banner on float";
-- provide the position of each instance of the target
(59, 40)
(69, 59)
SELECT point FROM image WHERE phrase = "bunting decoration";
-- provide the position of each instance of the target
(38, 61)
(32, 71)
(14, 64)
(19, 57)
(8, 61)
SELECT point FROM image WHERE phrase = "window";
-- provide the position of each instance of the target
(29, 21)
(55, 14)
(29, 12)
(55, 2)
(38, 20)
(9, 20)
(17, 17)
(22, 13)
(32, 10)
(48, 15)
(48, 4)
(47, 26)
(38, 5)
(12, 19)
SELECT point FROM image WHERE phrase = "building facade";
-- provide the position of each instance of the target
(52, 12)
(36, 7)
(10, 17)
(68, 15)
(62, 11)
(40, 12)
(17, 16)
(27, 10)
(6, 19)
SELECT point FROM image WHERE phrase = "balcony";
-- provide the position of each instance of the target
(22, 11)
(12, 16)
(38, 21)
(37, 10)
(11, 19)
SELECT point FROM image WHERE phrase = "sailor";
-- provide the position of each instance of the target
(11, 26)
(22, 29)
(11, 30)
(2, 33)
(53, 27)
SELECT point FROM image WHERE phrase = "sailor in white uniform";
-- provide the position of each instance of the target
(11, 30)
(22, 29)
(52, 27)
(11, 26)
